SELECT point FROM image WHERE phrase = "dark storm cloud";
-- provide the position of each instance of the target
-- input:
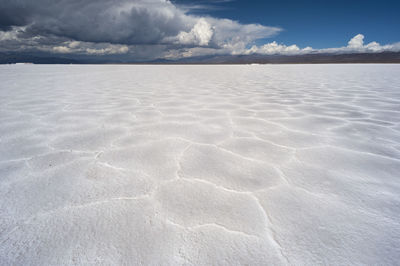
(119, 26)
(112, 21)
(12, 17)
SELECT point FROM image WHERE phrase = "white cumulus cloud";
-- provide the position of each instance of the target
(112, 49)
(200, 34)
(356, 42)
(275, 48)
(355, 45)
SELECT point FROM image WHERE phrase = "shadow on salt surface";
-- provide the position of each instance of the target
(258, 149)
(131, 232)
(156, 159)
(332, 230)
(203, 132)
(227, 169)
(192, 203)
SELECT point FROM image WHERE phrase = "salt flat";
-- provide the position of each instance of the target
(200, 165)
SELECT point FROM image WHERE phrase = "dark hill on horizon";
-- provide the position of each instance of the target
(316, 58)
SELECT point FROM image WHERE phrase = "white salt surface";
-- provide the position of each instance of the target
(200, 165)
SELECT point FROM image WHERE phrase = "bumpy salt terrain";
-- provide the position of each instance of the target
(200, 165)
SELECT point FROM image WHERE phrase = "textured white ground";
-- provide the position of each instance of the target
(202, 165)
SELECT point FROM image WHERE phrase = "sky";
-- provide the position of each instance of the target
(320, 24)
(151, 29)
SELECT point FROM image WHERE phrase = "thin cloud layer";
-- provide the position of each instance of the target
(355, 45)
(275, 48)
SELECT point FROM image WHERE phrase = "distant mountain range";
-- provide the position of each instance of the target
(12, 58)
(316, 58)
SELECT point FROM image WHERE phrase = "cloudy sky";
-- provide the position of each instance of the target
(150, 29)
